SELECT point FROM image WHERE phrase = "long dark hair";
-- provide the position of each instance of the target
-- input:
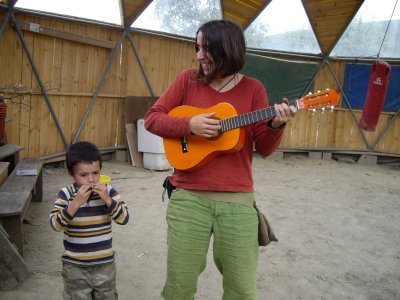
(226, 46)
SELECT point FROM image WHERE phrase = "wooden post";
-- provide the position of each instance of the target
(37, 193)
(13, 226)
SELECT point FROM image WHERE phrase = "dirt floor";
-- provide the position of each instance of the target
(338, 225)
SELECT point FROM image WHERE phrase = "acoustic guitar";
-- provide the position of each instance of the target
(193, 152)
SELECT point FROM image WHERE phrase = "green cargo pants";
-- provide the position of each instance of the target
(192, 220)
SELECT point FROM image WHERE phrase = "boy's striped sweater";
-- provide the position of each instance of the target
(87, 235)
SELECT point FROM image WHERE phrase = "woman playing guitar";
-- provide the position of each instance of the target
(216, 196)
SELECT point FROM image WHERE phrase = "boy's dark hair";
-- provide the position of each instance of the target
(82, 152)
(227, 47)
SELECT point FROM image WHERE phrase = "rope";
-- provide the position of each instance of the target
(387, 28)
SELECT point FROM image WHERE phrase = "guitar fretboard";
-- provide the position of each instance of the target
(251, 117)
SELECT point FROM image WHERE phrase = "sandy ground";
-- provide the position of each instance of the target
(338, 226)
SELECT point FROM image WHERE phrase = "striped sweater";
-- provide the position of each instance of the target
(87, 235)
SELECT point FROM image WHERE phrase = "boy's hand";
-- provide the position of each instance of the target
(101, 189)
(80, 198)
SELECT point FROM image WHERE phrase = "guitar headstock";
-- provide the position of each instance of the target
(327, 98)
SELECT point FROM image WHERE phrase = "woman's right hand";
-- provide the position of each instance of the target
(205, 125)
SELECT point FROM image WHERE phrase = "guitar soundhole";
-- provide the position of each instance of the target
(215, 137)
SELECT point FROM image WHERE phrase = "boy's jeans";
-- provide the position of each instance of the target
(96, 282)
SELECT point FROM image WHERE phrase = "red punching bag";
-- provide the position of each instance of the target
(377, 88)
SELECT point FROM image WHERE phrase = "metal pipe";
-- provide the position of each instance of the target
(222, 10)
(4, 23)
(362, 60)
(122, 11)
(140, 64)
(101, 83)
(35, 71)
(314, 76)
(383, 132)
(8, 8)
(274, 53)
(11, 3)
(348, 104)
(163, 34)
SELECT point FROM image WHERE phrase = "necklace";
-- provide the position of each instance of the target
(234, 75)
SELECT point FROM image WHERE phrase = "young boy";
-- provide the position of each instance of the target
(84, 210)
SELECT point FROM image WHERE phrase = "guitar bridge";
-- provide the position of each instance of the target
(184, 144)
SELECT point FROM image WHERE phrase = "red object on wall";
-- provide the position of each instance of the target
(377, 88)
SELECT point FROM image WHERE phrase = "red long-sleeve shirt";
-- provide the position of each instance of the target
(227, 171)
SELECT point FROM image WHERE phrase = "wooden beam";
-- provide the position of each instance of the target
(49, 31)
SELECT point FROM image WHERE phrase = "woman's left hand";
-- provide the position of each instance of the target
(284, 113)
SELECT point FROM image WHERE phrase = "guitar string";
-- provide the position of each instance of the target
(240, 120)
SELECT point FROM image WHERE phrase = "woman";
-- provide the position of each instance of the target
(216, 199)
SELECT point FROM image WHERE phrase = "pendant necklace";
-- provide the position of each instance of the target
(234, 75)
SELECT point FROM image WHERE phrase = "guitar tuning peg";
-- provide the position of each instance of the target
(332, 107)
(323, 109)
(319, 91)
(327, 89)
(313, 110)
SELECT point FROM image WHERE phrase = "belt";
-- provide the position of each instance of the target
(231, 197)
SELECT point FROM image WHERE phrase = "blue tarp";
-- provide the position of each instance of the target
(356, 79)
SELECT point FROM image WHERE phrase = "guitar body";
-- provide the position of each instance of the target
(201, 150)
(193, 152)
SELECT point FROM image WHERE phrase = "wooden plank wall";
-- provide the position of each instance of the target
(338, 129)
(71, 71)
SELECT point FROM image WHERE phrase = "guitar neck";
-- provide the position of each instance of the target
(251, 117)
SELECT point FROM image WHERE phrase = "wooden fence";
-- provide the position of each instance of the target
(71, 59)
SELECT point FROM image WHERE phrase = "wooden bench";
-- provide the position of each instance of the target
(13, 268)
(15, 196)
(10, 153)
(4, 165)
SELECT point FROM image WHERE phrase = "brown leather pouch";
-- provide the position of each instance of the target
(265, 233)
